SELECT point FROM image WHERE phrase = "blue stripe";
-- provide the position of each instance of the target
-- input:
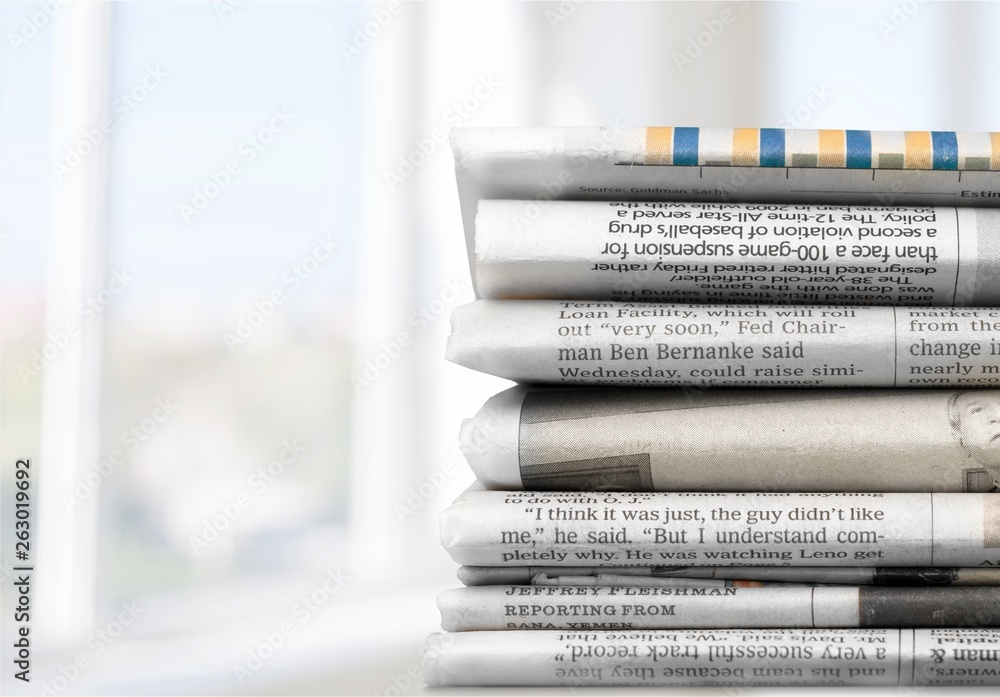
(945, 147)
(859, 149)
(772, 147)
(685, 146)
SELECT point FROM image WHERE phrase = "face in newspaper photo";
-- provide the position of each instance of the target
(975, 420)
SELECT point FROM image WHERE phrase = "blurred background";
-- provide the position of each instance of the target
(230, 242)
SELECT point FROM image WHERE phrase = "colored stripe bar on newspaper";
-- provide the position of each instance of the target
(851, 149)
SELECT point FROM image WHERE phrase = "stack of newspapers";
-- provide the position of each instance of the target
(756, 435)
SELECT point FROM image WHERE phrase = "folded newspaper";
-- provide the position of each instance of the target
(498, 528)
(675, 439)
(738, 252)
(745, 657)
(690, 607)
(820, 225)
(650, 344)
(724, 165)
(653, 576)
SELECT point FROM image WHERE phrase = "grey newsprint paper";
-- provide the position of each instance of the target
(677, 439)
(660, 344)
(617, 607)
(624, 581)
(498, 528)
(746, 657)
(653, 576)
(701, 252)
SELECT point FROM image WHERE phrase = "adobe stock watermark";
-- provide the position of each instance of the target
(87, 311)
(551, 190)
(454, 116)
(475, 437)
(403, 681)
(817, 99)
(901, 14)
(97, 643)
(247, 151)
(554, 188)
(562, 13)
(377, 21)
(32, 25)
(132, 438)
(389, 352)
(303, 610)
(258, 483)
(711, 31)
(224, 7)
(411, 676)
(417, 497)
(122, 106)
(291, 281)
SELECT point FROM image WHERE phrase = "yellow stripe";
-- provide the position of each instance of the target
(918, 150)
(659, 145)
(746, 147)
(832, 148)
(995, 142)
